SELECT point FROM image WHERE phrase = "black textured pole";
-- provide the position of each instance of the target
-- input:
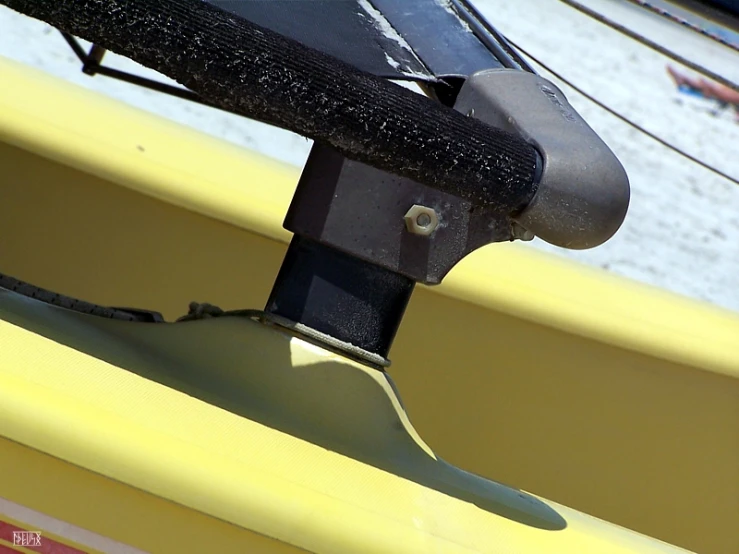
(253, 71)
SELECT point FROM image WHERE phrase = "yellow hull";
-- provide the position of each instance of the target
(312, 453)
(616, 399)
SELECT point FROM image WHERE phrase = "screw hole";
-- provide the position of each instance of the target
(423, 220)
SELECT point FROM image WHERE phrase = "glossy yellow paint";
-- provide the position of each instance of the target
(71, 407)
(118, 511)
(617, 399)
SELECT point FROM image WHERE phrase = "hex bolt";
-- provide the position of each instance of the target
(421, 220)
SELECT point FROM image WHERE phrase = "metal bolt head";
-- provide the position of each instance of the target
(421, 220)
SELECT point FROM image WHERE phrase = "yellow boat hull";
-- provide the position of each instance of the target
(159, 436)
(616, 399)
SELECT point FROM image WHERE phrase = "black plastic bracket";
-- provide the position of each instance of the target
(377, 217)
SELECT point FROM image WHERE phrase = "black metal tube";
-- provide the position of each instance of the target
(353, 301)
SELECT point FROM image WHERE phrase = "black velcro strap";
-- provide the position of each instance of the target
(250, 70)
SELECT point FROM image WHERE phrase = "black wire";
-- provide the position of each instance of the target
(76, 48)
(685, 23)
(489, 36)
(626, 120)
(600, 18)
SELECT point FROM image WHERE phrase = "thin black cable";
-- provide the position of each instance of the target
(685, 23)
(627, 120)
(96, 68)
(31, 291)
(600, 18)
(76, 48)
